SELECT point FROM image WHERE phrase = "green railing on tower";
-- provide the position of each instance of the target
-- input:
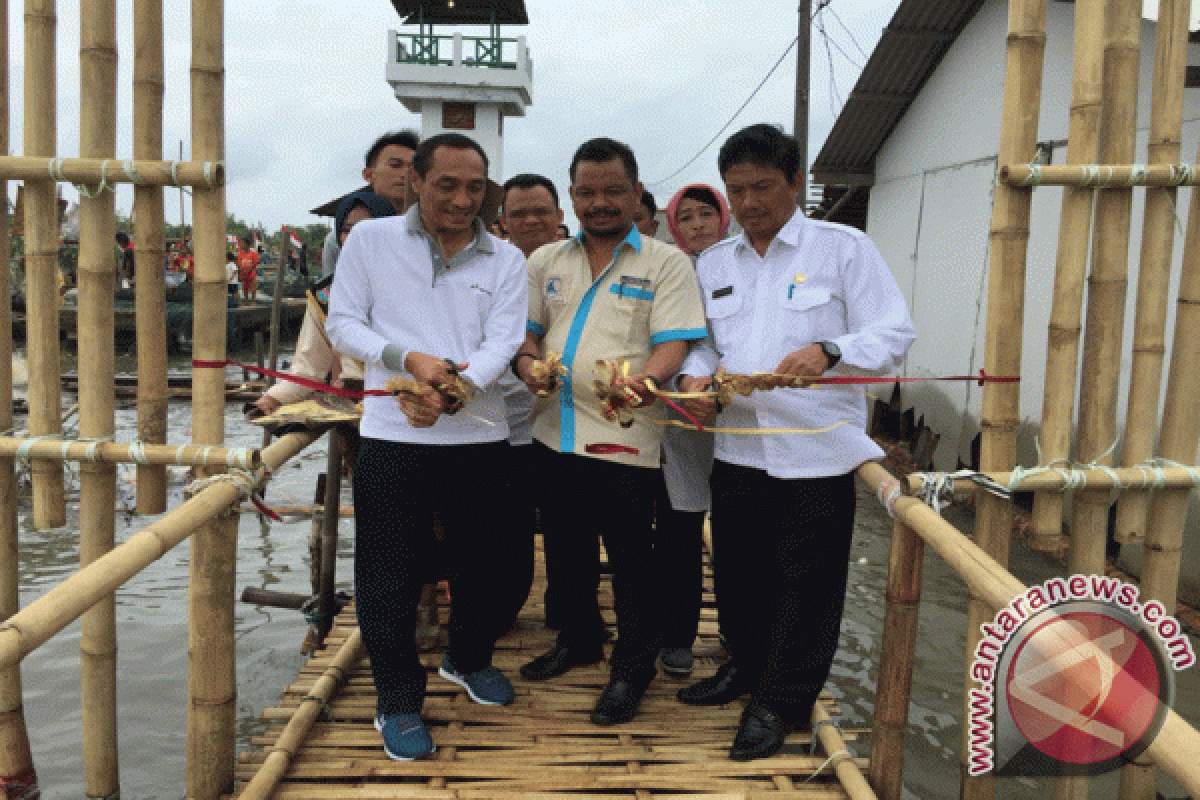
(430, 49)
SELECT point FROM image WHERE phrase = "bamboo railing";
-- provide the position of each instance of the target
(1176, 747)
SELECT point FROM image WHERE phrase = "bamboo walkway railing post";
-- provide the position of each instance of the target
(1062, 345)
(148, 235)
(98, 487)
(16, 760)
(41, 260)
(1009, 238)
(212, 684)
(896, 666)
(273, 347)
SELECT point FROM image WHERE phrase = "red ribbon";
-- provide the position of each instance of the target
(307, 383)
(981, 379)
(608, 448)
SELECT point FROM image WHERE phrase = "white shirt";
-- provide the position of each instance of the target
(471, 309)
(818, 282)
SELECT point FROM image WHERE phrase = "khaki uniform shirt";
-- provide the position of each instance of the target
(646, 295)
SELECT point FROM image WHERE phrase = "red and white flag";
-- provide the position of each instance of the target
(293, 239)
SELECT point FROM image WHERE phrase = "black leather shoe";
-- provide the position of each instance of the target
(724, 686)
(618, 702)
(559, 659)
(760, 733)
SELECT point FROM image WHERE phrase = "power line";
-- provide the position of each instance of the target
(849, 33)
(731, 119)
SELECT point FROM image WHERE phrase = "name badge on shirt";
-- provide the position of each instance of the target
(555, 296)
(724, 291)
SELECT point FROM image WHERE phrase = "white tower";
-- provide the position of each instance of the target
(465, 84)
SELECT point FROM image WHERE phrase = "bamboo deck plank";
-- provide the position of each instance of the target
(543, 745)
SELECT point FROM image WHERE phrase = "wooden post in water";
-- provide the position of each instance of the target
(326, 603)
(1009, 240)
(1062, 341)
(896, 667)
(1154, 274)
(212, 685)
(41, 260)
(16, 761)
(98, 480)
(273, 347)
(148, 259)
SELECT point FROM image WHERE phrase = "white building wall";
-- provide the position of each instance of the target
(930, 211)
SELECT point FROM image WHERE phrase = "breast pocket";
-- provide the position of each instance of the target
(810, 314)
(722, 318)
(631, 312)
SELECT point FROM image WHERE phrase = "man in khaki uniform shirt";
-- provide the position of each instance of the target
(607, 294)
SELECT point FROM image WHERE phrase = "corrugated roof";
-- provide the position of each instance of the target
(462, 12)
(912, 45)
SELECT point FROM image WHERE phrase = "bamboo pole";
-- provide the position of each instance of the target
(274, 346)
(41, 260)
(16, 760)
(31, 627)
(1097, 430)
(1158, 239)
(212, 668)
(136, 453)
(1138, 779)
(1176, 748)
(1102, 340)
(1160, 172)
(1008, 238)
(895, 675)
(292, 738)
(1179, 435)
(1125, 478)
(851, 780)
(98, 480)
(141, 170)
(151, 304)
(1062, 337)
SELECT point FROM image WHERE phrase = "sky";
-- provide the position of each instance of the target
(306, 92)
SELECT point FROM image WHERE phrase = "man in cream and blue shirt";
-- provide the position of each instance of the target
(608, 294)
(431, 296)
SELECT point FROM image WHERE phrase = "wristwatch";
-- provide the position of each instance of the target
(832, 352)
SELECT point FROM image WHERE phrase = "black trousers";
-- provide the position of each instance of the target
(520, 480)
(397, 489)
(586, 500)
(781, 553)
(679, 565)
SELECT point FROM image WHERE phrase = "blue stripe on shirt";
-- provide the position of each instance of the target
(678, 334)
(624, 290)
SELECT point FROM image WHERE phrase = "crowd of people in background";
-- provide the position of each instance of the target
(504, 320)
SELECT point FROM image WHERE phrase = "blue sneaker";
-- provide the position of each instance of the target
(488, 686)
(404, 736)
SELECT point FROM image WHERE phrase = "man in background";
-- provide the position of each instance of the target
(643, 215)
(531, 215)
(388, 161)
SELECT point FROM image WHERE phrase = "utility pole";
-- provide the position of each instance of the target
(800, 126)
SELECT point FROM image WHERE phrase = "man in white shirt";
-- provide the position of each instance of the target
(434, 297)
(790, 296)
